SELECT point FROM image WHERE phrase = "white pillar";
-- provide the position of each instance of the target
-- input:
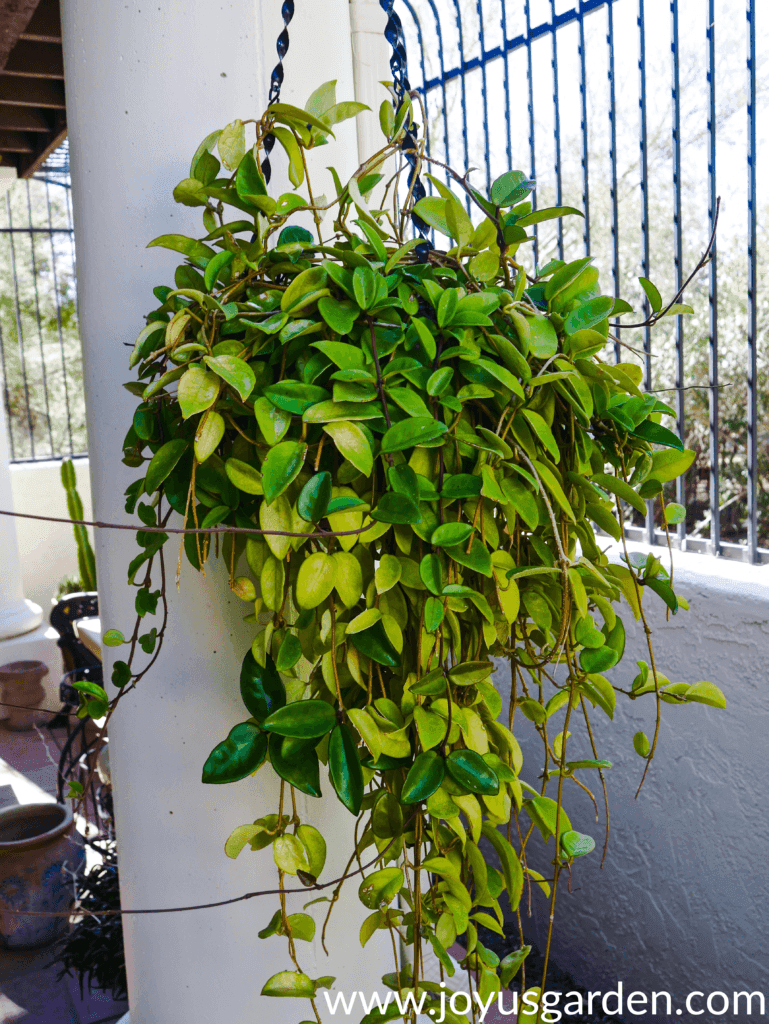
(17, 616)
(145, 83)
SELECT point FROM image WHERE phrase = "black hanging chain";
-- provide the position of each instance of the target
(276, 81)
(399, 69)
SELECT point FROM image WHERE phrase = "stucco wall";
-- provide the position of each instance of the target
(47, 550)
(682, 903)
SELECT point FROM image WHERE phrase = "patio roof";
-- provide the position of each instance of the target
(33, 120)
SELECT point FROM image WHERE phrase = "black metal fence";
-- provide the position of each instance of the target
(40, 354)
(641, 112)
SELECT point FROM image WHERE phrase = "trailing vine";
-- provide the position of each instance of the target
(423, 459)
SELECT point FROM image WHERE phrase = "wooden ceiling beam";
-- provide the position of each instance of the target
(16, 142)
(23, 119)
(28, 165)
(32, 93)
(15, 15)
(35, 60)
(45, 24)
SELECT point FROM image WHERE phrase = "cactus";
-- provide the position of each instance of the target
(85, 555)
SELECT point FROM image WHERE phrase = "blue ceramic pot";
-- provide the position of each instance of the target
(39, 851)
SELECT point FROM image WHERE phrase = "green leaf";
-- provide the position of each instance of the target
(706, 693)
(305, 719)
(511, 866)
(469, 769)
(657, 434)
(249, 181)
(478, 557)
(315, 845)
(289, 654)
(549, 213)
(380, 888)
(675, 513)
(461, 485)
(376, 645)
(261, 689)
(353, 444)
(396, 508)
(181, 243)
(424, 776)
(540, 427)
(598, 659)
(588, 314)
(232, 144)
(668, 465)
(621, 489)
(113, 638)
(411, 432)
(468, 672)
(344, 768)
(339, 315)
(246, 478)
(289, 854)
(239, 755)
(641, 744)
(289, 983)
(312, 503)
(283, 464)
(663, 590)
(221, 260)
(432, 210)
(295, 397)
(576, 844)
(510, 188)
(235, 372)
(316, 579)
(511, 964)
(163, 462)
(652, 294)
(434, 612)
(448, 535)
(301, 771)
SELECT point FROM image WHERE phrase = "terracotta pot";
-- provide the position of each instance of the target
(39, 849)
(20, 681)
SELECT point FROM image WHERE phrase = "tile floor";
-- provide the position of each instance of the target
(29, 990)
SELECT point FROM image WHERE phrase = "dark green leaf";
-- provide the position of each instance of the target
(282, 465)
(410, 432)
(478, 558)
(396, 508)
(448, 535)
(510, 188)
(470, 770)
(461, 485)
(404, 480)
(303, 774)
(261, 689)
(304, 719)
(163, 461)
(345, 769)
(340, 316)
(239, 755)
(663, 590)
(598, 659)
(424, 777)
(657, 434)
(375, 644)
(295, 397)
(312, 503)
(289, 654)
(652, 294)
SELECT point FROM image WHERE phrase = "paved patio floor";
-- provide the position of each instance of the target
(29, 990)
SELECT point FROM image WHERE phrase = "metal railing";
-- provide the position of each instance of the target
(607, 105)
(40, 354)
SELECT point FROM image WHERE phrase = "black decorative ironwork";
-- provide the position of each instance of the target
(276, 80)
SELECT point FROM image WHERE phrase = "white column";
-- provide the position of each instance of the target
(145, 83)
(17, 616)
(371, 66)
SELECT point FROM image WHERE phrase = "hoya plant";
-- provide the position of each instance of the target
(415, 458)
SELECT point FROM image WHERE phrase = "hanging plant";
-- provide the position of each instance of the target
(423, 455)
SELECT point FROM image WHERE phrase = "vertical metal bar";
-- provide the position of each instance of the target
(38, 319)
(506, 59)
(6, 397)
(585, 141)
(752, 381)
(58, 318)
(19, 331)
(613, 156)
(678, 251)
(484, 86)
(532, 150)
(557, 124)
(439, 34)
(71, 226)
(641, 21)
(713, 425)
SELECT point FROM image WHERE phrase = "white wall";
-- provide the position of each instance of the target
(682, 903)
(47, 550)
